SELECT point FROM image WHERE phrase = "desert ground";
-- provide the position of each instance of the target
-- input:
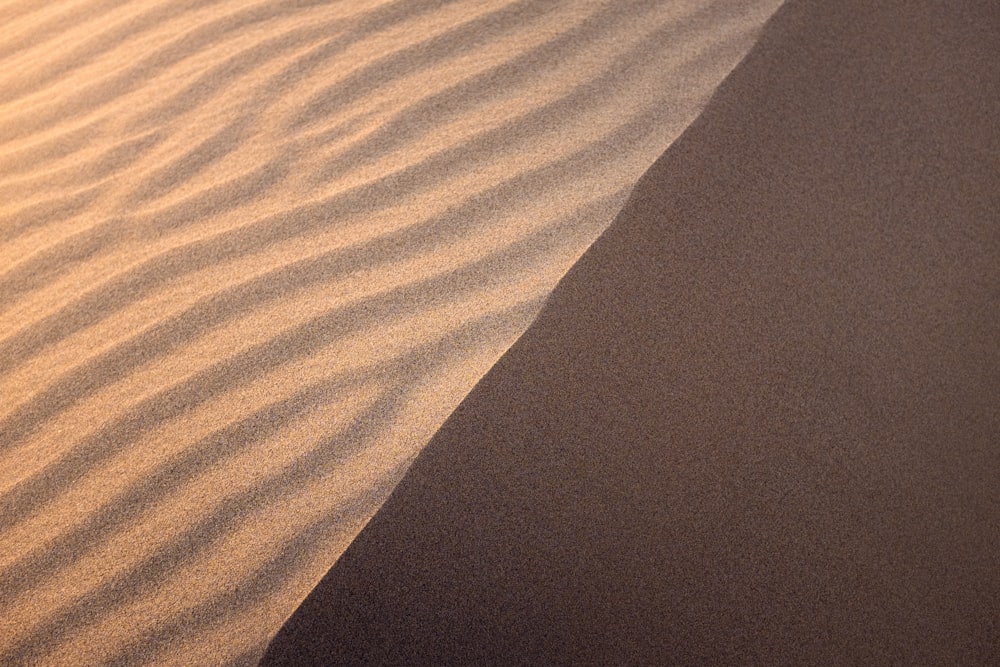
(499, 332)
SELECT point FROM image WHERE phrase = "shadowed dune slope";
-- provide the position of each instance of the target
(254, 252)
(759, 421)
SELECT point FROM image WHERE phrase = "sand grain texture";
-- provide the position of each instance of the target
(253, 253)
(759, 421)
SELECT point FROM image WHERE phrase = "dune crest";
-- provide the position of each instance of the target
(252, 254)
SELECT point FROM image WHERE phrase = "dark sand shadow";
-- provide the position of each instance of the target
(758, 422)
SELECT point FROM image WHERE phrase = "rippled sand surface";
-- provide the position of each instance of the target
(252, 254)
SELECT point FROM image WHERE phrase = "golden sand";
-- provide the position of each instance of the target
(251, 257)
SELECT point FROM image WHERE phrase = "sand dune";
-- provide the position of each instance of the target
(759, 421)
(252, 254)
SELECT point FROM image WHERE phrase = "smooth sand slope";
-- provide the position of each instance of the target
(252, 254)
(759, 421)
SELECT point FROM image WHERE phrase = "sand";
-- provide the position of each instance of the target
(758, 421)
(253, 254)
